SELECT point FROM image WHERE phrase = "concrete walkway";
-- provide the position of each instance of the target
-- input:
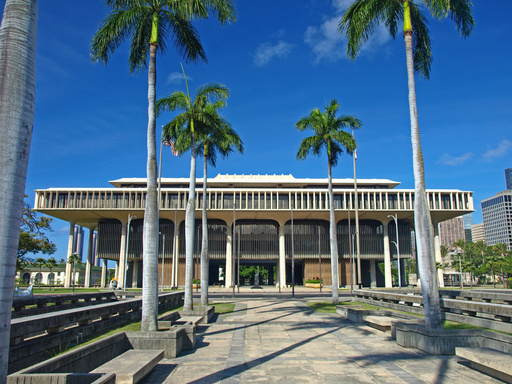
(280, 340)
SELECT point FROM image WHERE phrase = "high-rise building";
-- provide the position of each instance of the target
(477, 233)
(508, 177)
(78, 241)
(497, 216)
(452, 230)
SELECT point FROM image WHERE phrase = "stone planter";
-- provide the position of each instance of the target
(196, 286)
(314, 285)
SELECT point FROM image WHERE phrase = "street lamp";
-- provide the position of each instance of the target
(126, 255)
(353, 264)
(163, 258)
(293, 250)
(395, 217)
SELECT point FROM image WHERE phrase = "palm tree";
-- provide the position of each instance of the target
(39, 262)
(329, 133)
(501, 250)
(18, 35)
(185, 129)
(148, 24)
(221, 139)
(74, 259)
(51, 263)
(359, 21)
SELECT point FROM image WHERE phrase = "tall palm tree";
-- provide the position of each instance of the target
(329, 133)
(220, 139)
(51, 263)
(185, 129)
(359, 21)
(18, 36)
(74, 259)
(501, 250)
(148, 24)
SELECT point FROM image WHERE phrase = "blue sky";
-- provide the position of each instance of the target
(280, 60)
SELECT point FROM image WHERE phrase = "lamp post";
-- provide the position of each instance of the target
(353, 264)
(163, 258)
(293, 250)
(126, 255)
(233, 250)
(174, 249)
(395, 217)
(238, 253)
(354, 157)
(197, 263)
(320, 259)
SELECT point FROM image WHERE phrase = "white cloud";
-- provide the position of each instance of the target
(503, 148)
(176, 77)
(267, 51)
(447, 159)
(328, 44)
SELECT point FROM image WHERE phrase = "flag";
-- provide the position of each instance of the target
(170, 143)
(355, 154)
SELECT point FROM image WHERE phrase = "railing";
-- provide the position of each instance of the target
(250, 199)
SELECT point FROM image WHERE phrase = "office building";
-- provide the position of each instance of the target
(497, 217)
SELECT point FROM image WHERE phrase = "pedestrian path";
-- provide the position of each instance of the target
(283, 341)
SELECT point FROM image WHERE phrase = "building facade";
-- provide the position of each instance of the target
(477, 233)
(497, 217)
(452, 230)
(250, 221)
(508, 177)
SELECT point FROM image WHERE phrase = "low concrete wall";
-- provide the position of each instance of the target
(443, 342)
(206, 312)
(64, 378)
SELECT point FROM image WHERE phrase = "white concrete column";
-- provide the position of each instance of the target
(175, 258)
(135, 273)
(116, 272)
(104, 274)
(122, 256)
(69, 269)
(437, 252)
(282, 256)
(229, 256)
(388, 279)
(87, 282)
(373, 274)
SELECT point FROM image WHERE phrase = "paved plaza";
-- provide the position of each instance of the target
(277, 339)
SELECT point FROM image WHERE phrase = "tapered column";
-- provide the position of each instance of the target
(104, 274)
(229, 257)
(122, 256)
(87, 282)
(67, 281)
(116, 272)
(437, 251)
(388, 280)
(175, 253)
(135, 274)
(282, 256)
(373, 274)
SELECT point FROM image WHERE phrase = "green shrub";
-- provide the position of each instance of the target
(316, 280)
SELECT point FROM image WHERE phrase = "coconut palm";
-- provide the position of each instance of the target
(501, 251)
(148, 24)
(74, 259)
(39, 262)
(18, 35)
(220, 139)
(185, 129)
(329, 133)
(358, 23)
(51, 263)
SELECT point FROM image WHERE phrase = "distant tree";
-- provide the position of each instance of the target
(39, 262)
(33, 238)
(329, 133)
(51, 263)
(74, 259)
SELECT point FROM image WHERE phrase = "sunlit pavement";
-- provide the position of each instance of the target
(269, 339)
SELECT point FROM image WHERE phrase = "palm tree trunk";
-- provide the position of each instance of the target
(18, 37)
(189, 229)
(150, 236)
(204, 248)
(333, 239)
(423, 225)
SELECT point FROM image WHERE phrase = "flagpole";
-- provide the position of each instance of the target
(354, 156)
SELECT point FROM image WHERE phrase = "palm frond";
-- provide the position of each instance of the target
(139, 47)
(184, 36)
(175, 101)
(461, 12)
(421, 44)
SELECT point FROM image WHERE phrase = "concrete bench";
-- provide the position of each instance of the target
(132, 366)
(490, 361)
(189, 320)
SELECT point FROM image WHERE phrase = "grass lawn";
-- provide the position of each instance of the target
(221, 308)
